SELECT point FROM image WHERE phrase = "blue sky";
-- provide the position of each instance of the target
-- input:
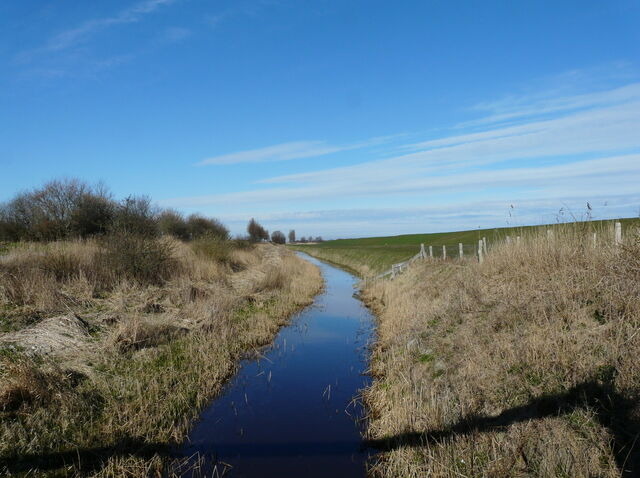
(337, 118)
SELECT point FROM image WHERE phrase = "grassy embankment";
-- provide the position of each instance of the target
(525, 365)
(372, 255)
(110, 348)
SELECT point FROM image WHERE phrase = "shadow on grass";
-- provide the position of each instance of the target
(612, 410)
(82, 460)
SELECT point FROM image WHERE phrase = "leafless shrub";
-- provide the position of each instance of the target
(138, 258)
(135, 216)
(256, 232)
(213, 249)
(206, 227)
(172, 223)
(278, 237)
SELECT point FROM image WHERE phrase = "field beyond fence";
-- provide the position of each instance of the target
(523, 364)
(375, 256)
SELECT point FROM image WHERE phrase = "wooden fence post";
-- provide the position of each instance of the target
(618, 238)
(444, 251)
(549, 234)
(508, 240)
(484, 245)
(431, 252)
(480, 255)
(460, 250)
(595, 240)
(517, 239)
(423, 255)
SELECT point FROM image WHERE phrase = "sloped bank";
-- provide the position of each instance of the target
(522, 366)
(149, 358)
(525, 365)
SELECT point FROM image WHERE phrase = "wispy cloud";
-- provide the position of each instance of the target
(176, 34)
(72, 37)
(599, 130)
(66, 53)
(609, 173)
(289, 151)
(587, 146)
(517, 108)
(456, 215)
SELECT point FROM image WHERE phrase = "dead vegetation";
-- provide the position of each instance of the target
(525, 365)
(112, 347)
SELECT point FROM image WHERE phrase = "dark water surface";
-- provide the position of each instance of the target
(292, 412)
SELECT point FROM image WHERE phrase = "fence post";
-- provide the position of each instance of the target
(595, 240)
(484, 245)
(508, 239)
(517, 239)
(480, 255)
(549, 234)
(444, 251)
(460, 249)
(423, 255)
(618, 238)
(393, 271)
(431, 252)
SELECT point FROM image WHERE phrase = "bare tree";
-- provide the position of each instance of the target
(278, 237)
(292, 235)
(44, 213)
(256, 232)
(200, 226)
(136, 215)
(173, 223)
(93, 215)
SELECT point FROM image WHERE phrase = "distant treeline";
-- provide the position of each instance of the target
(70, 208)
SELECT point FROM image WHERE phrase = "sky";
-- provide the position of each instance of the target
(336, 118)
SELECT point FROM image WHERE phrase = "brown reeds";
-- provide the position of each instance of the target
(525, 365)
(158, 346)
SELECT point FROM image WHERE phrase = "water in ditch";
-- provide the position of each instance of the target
(293, 411)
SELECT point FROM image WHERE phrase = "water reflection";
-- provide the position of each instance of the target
(292, 412)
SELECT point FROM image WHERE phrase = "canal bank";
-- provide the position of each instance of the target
(294, 411)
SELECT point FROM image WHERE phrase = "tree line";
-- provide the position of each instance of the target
(258, 233)
(70, 208)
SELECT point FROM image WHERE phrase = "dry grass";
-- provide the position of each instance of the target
(360, 262)
(158, 352)
(525, 365)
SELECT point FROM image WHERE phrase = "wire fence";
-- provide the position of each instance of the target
(478, 251)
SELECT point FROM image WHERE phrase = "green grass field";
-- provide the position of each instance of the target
(376, 254)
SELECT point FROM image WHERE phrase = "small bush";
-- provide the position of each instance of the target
(242, 244)
(200, 226)
(172, 223)
(213, 248)
(136, 215)
(256, 232)
(278, 237)
(92, 215)
(141, 259)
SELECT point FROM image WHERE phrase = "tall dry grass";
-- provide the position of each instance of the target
(159, 350)
(525, 365)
